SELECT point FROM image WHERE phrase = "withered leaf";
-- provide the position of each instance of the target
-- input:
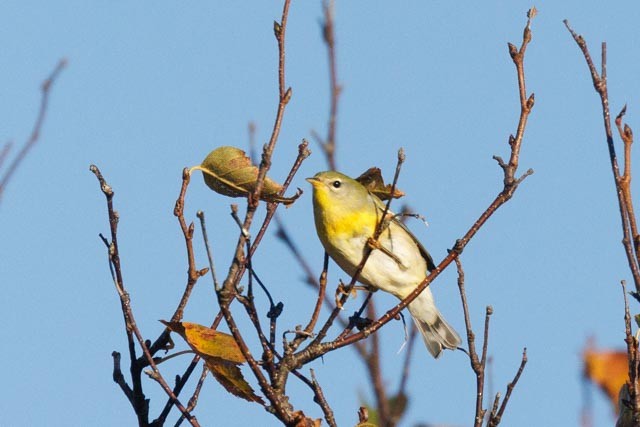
(372, 180)
(609, 370)
(304, 421)
(229, 171)
(208, 342)
(230, 377)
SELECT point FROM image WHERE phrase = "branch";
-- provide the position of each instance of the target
(634, 364)
(4, 153)
(495, 418)
(193, 274)
(132, 330)
(237, 268)
(511, 183)
(328, 33)
(623, 183)
(631, 239)
(478, 365)
(35, 132)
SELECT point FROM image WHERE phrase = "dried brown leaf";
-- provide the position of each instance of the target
(305, 421)
(230, 377)
(372, 180)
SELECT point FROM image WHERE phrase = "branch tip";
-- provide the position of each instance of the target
(401, 155)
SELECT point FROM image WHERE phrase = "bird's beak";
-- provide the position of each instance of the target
(313, 181)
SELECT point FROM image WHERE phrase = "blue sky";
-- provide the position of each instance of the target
(152, 87)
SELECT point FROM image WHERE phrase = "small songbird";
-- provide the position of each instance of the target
(346, 215)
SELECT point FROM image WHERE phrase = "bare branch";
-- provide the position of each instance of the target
(495, 418)
(511, 183)
(328, 32)
(130, 323)
(193, 274)
(37, 127)
(634, 362)
(622, 184)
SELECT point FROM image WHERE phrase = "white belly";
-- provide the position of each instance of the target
(398, 274)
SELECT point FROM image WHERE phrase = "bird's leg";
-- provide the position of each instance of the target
(342, 290)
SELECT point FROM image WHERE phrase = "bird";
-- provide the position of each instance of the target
(346, 215)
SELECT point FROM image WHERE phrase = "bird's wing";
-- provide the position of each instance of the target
(381, 205)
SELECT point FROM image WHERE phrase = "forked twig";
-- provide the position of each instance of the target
(139, 403)
(631, 239)
(623, 184)
(511, 183)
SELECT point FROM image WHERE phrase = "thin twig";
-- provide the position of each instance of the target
(193, 401)
(511, 183)
(626, 134)
(374, 370)
(4, 153)
(285, 237)
(130, 323)
(328, 33)
(139, 403)
(634, 360)
(177, 389)
(193, 274)
(248, 302)
(600, 85)
(205, 237)
(322, 401)
(119, 379)
(284, 98)
(321, 296)
(37, 127)
(237, 268)
(477, 364)
(494, 420)
(631, 239)
(303, 153)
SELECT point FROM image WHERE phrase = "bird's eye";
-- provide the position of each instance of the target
(336, 184)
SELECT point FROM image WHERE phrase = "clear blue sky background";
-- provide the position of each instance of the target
(152, 87)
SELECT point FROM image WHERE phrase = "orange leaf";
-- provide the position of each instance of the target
(230, 377)
(208, 342)
(608, 369)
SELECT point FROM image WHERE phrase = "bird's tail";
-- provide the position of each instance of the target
(436, 332)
